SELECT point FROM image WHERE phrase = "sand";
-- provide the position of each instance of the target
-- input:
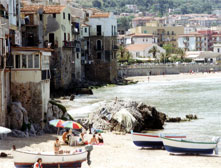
(184, 76)
(118, 151)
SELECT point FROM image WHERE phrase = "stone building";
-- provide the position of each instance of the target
(102, 43)
(53, 27)
(30, 80)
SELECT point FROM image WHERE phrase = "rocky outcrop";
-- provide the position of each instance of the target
(189, 117)
(56, 111)
(123, 116)
(17, 116)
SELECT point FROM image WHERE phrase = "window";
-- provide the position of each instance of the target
(64, 36)
(85, 30)
(99, 55)
(77, 55)
(63, 15)
(99, 30)
(69, 37)
(17, 61)
(218, 50)
(54, 15)
(30, 61)
(40, 17)
(69, 17)
(99, 45)
(37, 61)
(137, 54)
(45, 74)
(24, 61)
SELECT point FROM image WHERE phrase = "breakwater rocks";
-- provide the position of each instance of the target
(189, 117)
(124, 116)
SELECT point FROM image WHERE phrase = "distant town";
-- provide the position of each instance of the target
(46, 46)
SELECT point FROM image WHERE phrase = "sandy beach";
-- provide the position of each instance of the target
(118, 151)
(184, 76)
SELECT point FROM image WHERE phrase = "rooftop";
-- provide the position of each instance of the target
(138, 47)
(100, 15)
(47, 9)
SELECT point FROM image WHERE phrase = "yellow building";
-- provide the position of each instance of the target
(57, 23)
(165, 34)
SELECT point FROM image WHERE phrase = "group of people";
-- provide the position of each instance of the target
(81, 140)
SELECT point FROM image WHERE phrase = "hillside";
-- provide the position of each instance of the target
(157, 7)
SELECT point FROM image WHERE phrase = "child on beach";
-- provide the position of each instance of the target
(100, 139)
(57, 146)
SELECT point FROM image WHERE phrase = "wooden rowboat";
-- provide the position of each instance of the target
(189, 147)
(25, 159)
(150, 140)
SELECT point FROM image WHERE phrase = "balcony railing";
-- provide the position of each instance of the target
(98, 48)
(69, 44)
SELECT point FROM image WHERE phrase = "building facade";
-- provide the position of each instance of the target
(102, 62)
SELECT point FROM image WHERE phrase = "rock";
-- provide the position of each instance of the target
(72, 97)
(176, 119)
(84, 91)
(123, 116)
(17, 116)
(18, 133)
(191, 117)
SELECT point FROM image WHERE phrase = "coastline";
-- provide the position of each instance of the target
(118, 151)
(182, 76)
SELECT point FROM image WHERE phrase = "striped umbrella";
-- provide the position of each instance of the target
(72, 125)
(57, 123)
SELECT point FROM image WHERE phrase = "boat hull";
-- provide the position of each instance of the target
(188, 147)
(50, 160)
(149, 140)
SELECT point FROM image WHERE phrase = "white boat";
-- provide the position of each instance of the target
(189, 147)
(150, 140)
(25, 159)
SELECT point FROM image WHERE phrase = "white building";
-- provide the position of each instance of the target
(141, 51)
(144, 39)
(103, 24)
(217, 48)
(193, 42)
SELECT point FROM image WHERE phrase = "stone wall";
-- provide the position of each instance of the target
(30, 95)
(144, 70)
(1, 110)
(62, 68)
(101, 72)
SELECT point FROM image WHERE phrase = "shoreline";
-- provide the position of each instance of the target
(118, 151)
(172, 77)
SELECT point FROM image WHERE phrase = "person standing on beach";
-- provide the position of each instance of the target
(38, 164)
(57, 146)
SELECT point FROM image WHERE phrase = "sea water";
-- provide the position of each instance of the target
(176, 98)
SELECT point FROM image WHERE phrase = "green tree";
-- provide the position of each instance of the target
(181, 53)
(154, 51)
(123, 55)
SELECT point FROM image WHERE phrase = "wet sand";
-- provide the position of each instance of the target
(184, 76)
(118, 151)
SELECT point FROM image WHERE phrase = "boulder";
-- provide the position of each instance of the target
(123, 116)
(17, 116)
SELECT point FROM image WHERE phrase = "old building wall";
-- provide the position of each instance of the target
(1, 98)
(30, 95)
(62, 68)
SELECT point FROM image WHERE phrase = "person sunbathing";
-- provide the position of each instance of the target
(93, 140)
(82, 140)
(64, 137)
(100, 138)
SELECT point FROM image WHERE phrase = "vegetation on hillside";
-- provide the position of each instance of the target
(156, 7)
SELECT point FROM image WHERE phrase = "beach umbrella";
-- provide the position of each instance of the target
(57, 123)
(4, 130)
(72, 125)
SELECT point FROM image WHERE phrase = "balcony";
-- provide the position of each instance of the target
(69, 44)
